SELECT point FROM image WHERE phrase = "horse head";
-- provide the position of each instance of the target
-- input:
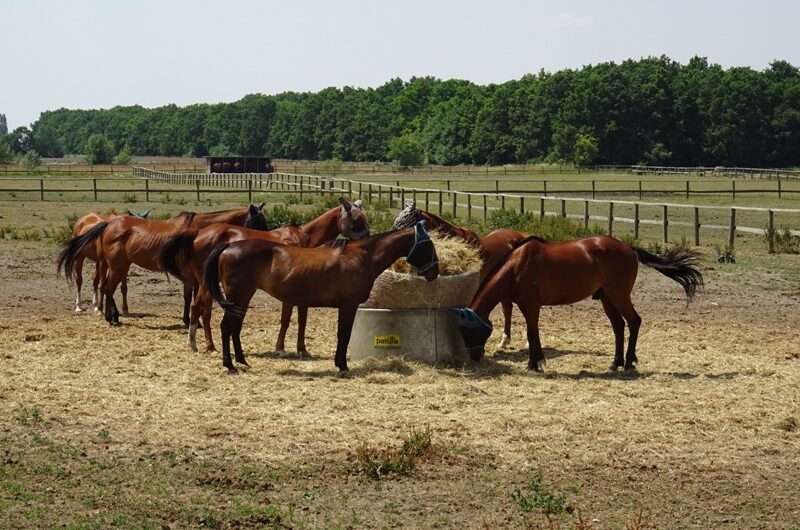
(352, 220)
(255, 218)
(422, 255)
(409, 217)
(474, 330)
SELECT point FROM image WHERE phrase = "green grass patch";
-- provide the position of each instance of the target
(534, 497)
(378, 463)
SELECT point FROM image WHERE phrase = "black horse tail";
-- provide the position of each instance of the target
(679, 264)
(211, 276)
(73, 247)
(176, 249)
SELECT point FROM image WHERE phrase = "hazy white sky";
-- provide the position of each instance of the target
(99, 54)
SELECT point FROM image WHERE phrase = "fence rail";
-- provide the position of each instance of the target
(453, 200)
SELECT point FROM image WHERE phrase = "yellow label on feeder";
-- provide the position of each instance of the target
(386, 341)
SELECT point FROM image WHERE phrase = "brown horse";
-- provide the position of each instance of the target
(83, 225)
(493, 247)
(183, 219)
(127, 240)
(539, 273)
(184, 254)
(328, 276)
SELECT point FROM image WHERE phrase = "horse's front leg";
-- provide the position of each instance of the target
(302, 318)
(188, 289)
(78, 268)
(508, 307)
(536, 359)
(286, 318)
(343, 330)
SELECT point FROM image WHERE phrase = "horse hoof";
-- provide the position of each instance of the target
(631, 368)
(342, 373)
(613, 367)
(233, 371)
(242, 362)
(79, 310)
(304, 354)
(281, 353)
(193, 347)
(504, 342)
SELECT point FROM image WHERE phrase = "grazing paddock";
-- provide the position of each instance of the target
(126, 427)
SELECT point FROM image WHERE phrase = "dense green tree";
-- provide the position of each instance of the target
(3, 125)
(651, 110)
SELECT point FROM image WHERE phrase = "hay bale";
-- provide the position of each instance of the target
(459, 278)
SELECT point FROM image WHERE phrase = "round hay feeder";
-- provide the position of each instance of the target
(408, 316)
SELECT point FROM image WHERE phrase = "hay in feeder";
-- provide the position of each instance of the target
(455, 256)
(459, 278)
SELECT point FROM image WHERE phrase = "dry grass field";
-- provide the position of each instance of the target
(125, 427)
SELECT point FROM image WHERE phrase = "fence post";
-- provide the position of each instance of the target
(391, 196)
(771, 231)
(585, 214)
(455, 204)
(563, 207)
(146, 190)
(732, 228)
(440, 202)
(369, 194)
(611, 218)
(197, 187)
(636, 221)
(665, 224)
(427, 202)
(593, 189)
(402, 198)
(544, 183)
(301, 188)
(94, 189)
(485, 210)
(733, 190)
(779, 187)
(521, 204)
(41, 189)
(469, 206)
(497, 186)
(687, 189)
(250, 191)
(349, 189)
(696, 226)
(502, 202)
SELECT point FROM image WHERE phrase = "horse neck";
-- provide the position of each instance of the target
(322, 228)
(437, 223)
(231, 217)
(493, 289)
(387, 248)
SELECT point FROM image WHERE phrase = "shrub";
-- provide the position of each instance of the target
(31, 159)
(123, 158)
(128, 198)
(550, 227)
(99, 150)
(380, 463)
(535, 497)
(782, 241)
(725, 254)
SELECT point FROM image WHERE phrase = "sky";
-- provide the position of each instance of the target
(89, 54)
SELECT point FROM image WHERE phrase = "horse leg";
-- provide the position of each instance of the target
(286, 318)
(536, 359)
(240, 297)
(123, 288)
(344, 328)
(302, 316)
(112, 281)
(98, 285)
(188, 287)
(78, 282)
(625, 307)
(208, 305)
(508, 307)
(195, 312)
(618, 325)
(227, 327)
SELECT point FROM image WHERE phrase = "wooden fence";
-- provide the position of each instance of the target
(475, 203)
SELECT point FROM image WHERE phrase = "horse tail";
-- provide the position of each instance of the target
(177, 247)
(73, 247)
(211, 276)
(679, 264)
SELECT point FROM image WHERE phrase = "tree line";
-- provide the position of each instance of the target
(653, 111)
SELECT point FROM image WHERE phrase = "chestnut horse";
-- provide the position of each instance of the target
(184, 254)
(338, 276)
(493, 247)
(127, 240)
(183, 219)
(539, 273)
(83, 225)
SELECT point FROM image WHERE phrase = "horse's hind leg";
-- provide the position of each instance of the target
(188, 287)
(286, 318)
(625, 307)
(302, 317)
(98, 284)
(113, 279)
(229, 323)
(78, 268)
(618, 325)
(123, 288)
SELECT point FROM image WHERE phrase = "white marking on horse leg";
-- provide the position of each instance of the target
(504, 342)
(541, 364)
(282, 353)
(94, 299)
(192, 338)
(78, 308)
(527, 346)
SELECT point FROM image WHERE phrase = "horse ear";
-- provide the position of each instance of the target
(358, 203)
(253, 209)
(261, 205)
(130, 213)
(146, 213)
(345, 204)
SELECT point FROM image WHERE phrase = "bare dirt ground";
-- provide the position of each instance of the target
(126, 427)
